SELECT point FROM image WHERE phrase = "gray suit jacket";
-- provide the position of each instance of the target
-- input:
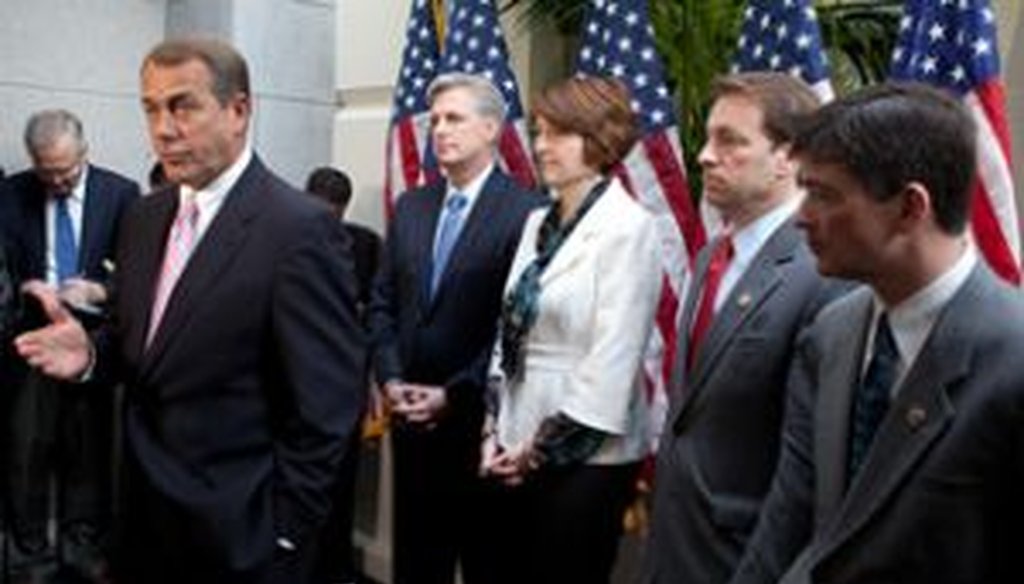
(939, 497)
(719, 446)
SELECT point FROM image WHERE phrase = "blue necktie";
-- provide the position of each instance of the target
(447, 235)
(66, 251)
(872, 399)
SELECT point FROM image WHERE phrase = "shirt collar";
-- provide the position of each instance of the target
(210, 197)
(472, 189)
(751, 238)
(912, 319)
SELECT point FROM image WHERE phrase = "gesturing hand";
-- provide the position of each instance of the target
(60, 349)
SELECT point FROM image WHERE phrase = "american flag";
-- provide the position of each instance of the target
(783, 35)
(475, 44)
(952, 44)
(409, 134)
(618, 41)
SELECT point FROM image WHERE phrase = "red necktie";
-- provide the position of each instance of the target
(721, 255)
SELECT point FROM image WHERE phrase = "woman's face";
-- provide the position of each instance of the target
(560, 155)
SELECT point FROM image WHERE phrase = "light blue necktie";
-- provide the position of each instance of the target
(447, 235)
(66, 251)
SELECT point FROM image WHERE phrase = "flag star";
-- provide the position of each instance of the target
(586, 53)
(905, 23)
(461, 14)
(958, 74)
(592, 28)
(418, 82)
(734, 68)
(662, 91)
(743, 41)
(986, 13)
(424, 33)
(625, 45)
(796, 71)
(478, 21)
(657, 116)
(632, 18)
(788, 3)
(766, 21)
(473, 44)
(640, 80)
(647, 54)
(803, 41)
(470, 66)
(810, 14)
(409, 102)
(748, 14)
(947, 2)
(929, 65)
(774, 61)
(618, 70)
(937, 32)
(758, 51)
(634, 105)
(489, 75)
(965, 5)
(493, 53)
(458, 36)
(782, 32)
(428, 64)
(897, 54)
(981, 47)
(508, 85)
(601, 62)
(960, 39)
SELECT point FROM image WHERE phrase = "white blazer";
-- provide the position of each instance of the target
(583, 355)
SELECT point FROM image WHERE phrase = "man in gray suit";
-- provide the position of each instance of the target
(903, 447)
(755, 288)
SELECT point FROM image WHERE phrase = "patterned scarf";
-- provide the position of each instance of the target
(519, 310)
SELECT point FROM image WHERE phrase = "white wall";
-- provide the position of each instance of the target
(82, 55)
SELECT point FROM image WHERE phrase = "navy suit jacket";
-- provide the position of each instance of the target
(23, 217)
(239, 409)
(446, 340)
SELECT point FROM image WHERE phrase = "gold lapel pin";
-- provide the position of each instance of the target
(916, 417)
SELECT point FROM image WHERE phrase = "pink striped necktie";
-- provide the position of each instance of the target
(180, 242)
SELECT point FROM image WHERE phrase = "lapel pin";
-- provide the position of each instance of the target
(916, 417)
(744, 300)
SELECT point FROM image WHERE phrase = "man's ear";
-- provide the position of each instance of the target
(915, 203)
(785, 165)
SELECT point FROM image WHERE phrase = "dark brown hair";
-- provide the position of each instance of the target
(785, 101)
(596, 108)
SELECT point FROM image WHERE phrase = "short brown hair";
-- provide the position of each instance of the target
(596, 108)
(227, 67)
(785, 101)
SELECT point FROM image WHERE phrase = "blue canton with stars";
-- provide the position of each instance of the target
(618, 41)
(781, 35)
(948, 43)
(476, 45)
(420, 62)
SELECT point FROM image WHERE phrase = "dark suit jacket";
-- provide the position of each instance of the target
(446, 341)
(366, 251)
(107, 196)
(938, 498)
(238, 412)
(719, 447)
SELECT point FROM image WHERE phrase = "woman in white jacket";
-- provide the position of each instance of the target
(567, 431)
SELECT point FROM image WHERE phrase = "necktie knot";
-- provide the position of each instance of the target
(456, 203)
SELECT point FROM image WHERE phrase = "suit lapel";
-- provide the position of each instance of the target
(920, 414)
(211, 257)
(149, 243)
(35, 229)
(423, 243)
(573, 248)
(93, 212)
(760, 280)
(839, 367)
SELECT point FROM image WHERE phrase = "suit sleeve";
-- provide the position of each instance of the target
(321, 347)
(383, 310)
(786, 520)
(627, 277)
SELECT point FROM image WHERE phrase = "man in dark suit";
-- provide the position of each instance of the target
(236, 336)
(336, 562)
(433, 315)
(61, 219)
(903, 452)
(741, 316)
